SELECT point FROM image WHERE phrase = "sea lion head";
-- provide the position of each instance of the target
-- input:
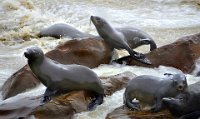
(179, 81)
(99, 22)
(34, 53)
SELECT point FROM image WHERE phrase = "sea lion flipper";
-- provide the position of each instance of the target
(133, 105)
(138, 56)
(95, 101)
(146, 42)
(47, 95)
(142, 59)
(158, 105)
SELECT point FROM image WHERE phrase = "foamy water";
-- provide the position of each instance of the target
(21, 21)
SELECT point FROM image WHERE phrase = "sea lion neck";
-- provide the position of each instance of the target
(36, 62)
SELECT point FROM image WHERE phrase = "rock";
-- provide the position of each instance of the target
(54, 110)
(88, 52)
(181, 54)
(77, 101)
(19, 106)
(125, 113)
(116, 82)
(20, 81)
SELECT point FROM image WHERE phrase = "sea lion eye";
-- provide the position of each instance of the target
(175, 82)
(98, 19)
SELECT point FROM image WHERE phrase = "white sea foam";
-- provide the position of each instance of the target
(21, 21)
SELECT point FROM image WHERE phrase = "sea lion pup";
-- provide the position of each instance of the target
(185, 105)
(59, 78)
(151, 89)
(123, 38)
(60, 30)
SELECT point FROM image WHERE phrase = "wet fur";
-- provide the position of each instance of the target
(150, 90)
(59, 78)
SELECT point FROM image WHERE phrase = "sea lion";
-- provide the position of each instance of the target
(59, 78)
(185, 105)
(123, 38)
(60, 30)
(151, 89)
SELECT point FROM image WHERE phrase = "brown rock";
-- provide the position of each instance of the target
(20, 81)
(125, 113)
(77, 101)
(181, 54)
(88, 52)
(116, 82)
(54, 110)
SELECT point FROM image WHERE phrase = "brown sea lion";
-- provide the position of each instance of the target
(59, 78)
(150, 90)
(124, 38)
(185, 105)
(60, 30)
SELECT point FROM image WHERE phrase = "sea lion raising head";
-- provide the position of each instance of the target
(59, 78)
(123, 38)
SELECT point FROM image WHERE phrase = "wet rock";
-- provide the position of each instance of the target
(20, 81)
(181, 54)
(54, 110)
(88, 52)
(116, 82)
(125, 113)
(19, 106)
(64, 106)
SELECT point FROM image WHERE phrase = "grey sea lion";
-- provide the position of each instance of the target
(150, 90)
(185, 105)
(59, 78)
(60, 30)
(124, 38)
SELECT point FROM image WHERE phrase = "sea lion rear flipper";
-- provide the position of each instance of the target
(47, 95)
(133, 105)
(148, 41)
(95, 101)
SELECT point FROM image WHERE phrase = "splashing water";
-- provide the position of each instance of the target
(21, 21)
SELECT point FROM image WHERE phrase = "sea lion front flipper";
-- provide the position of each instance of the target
(158, 105)
(138, 56)
(142, 58)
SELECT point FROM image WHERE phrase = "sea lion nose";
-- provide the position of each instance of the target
(92, 17)
(26, 54)
(180, 87)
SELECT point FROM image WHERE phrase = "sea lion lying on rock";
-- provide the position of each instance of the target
(150, 90)
(60, 30)
(59, 78)
(187, 104)
(124, 38)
